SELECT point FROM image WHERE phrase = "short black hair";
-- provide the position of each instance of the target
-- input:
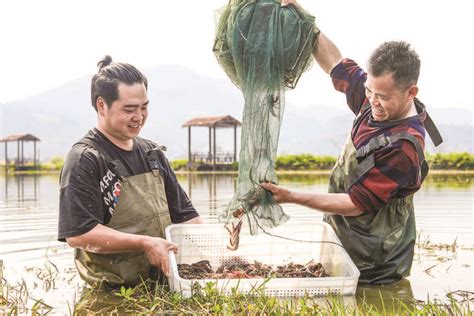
(105, 83)
(397, 58)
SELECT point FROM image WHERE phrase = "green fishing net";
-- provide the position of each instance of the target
(263, 48)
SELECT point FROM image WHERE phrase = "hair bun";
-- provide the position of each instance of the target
(104, 62)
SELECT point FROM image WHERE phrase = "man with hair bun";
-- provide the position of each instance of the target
(118, 192)
(370, 199)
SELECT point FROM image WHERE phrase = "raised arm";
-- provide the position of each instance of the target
(326, 53)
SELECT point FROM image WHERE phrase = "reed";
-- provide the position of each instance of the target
(155, 298)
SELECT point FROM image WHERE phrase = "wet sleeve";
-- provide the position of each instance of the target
(396, 174)
(179, 204)
(80, 203)
(349, 78)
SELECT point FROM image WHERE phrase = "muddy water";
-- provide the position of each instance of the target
(30, 252)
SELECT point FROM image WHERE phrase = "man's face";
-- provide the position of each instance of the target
(387, 100)
(123, 120)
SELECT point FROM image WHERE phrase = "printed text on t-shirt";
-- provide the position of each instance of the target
(110, 187)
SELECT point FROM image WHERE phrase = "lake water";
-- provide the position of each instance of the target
(31, 254)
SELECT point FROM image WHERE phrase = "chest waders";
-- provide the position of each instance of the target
(142, 209)
(380, 243)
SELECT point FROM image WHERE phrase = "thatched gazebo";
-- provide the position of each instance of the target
(212, 123)
(20, 162)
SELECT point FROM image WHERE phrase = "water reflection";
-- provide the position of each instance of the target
(96, 301)
(29, 208)
(210, 193)
(393, 297)
(449, 180)
(20, 188)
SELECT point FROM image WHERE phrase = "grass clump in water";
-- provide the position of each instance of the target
(154, 298)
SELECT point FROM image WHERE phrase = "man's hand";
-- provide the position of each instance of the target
(156, 250)
(281, 195)
(103, 239)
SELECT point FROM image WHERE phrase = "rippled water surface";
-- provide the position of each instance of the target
(29, 212)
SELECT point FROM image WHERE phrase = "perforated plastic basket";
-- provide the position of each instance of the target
(208, 242)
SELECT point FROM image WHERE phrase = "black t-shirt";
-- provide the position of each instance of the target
(89, 185)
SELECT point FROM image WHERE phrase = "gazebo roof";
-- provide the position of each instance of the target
(17, 137)
(213, 121)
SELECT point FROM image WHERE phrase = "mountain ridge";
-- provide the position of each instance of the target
(61, 116)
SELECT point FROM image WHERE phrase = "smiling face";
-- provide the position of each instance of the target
(388, 101)
(123, 120)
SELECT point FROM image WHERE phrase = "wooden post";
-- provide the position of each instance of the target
(210, 144)
(17, 154)
(235, 143)
(22, 153)
(214, 158)
(34, 154)
(189, 147)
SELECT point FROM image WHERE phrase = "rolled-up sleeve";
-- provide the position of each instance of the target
(349, 78)
(395, 175)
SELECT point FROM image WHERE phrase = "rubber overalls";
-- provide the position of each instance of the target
(142, 210)
(380, 243)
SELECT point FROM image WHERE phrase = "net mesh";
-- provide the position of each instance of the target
(263, 48)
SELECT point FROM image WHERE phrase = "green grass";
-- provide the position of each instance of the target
(449, 161)
(150, 298)
(304, 162)
(56, 163)
(179, 164)
(440, 161)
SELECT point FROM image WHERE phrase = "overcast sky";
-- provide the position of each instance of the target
(46, 43)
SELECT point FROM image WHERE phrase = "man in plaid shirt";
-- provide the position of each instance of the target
(370, 199)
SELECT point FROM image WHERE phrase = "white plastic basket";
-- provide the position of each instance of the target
(209, 242)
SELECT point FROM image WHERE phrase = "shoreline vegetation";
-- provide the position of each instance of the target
(440, 163)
